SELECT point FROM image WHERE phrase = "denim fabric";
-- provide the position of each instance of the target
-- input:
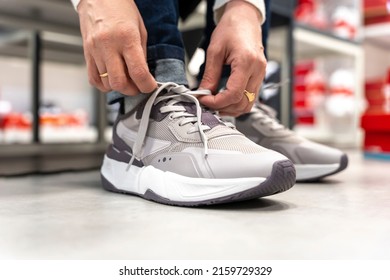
(266, 25)
(166, 70)
(165, 50)
(210, 26)
(161, 19)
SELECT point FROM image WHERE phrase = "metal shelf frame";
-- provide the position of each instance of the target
(39, 17)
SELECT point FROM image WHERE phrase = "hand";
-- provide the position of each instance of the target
(114, 38)
(236, 41)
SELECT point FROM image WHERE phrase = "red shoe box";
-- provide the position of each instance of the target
(377, 133)
(373, 8)
(376, 11)
(377, 20)
(302, 89)
(375, 93)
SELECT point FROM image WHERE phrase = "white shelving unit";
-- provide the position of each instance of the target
(378, 34)
(311, 44)
(377, 46)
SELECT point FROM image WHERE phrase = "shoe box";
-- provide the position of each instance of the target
(376, 119)
(376, 11)
(340, 18)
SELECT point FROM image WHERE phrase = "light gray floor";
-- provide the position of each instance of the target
(69, 216)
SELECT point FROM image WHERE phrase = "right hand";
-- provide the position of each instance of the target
(114, 38)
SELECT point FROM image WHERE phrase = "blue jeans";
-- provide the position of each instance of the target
(210, 26)
(165, 49)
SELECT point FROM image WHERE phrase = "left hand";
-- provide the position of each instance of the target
(236, 41)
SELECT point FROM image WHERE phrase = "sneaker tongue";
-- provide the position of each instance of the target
(208, 118)
(266, 110)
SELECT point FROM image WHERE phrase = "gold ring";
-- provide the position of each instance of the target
(104, 75)
(250, 95)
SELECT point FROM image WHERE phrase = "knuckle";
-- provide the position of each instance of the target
(101, 88)
(138, 72)
(129, 37)
(263, 63)
(101, 37)
(207, 78)
(214, 50)
(118, 83)
(236, 97)
(123, 31)
(93, 81)
(247, 109)
(89, 42)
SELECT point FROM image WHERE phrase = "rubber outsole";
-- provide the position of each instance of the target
(281, 179)
(343, 165)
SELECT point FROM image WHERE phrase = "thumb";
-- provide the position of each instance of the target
(213, 70)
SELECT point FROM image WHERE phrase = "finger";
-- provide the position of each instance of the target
(144, 37)
(138, 69)
(102, 69)
(233, 94)
(118, 77)
(93, 73)
(246, 103)
(213, 69)
(253, 86)
(236, 109)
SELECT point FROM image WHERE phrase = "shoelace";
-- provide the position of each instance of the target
(176, 93)
(276, 85)
(267, 116)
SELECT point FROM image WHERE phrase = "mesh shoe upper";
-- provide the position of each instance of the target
(166, 133)
(261, 126)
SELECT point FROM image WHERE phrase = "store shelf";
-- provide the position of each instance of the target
(49, 15)
(39, 158)
(312, 43)
(378, 34)
(56, 47)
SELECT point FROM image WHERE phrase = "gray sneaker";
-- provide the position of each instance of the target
(162, 152)
(312, 161)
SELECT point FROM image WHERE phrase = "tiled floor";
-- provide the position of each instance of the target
(69, 216)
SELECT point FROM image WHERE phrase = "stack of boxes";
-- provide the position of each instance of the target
(376, 11)
(376, 119)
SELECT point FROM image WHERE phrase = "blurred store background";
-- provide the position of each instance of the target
(329, 61)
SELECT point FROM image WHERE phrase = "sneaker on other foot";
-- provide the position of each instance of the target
(312, 161)
(162, 152)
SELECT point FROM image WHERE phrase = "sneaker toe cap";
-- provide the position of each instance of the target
(313, 153)
(243, 165)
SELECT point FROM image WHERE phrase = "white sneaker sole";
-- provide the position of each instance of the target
(314, 172)
(170, 188)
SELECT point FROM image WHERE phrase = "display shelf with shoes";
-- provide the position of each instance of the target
(378, 34)
(335, 18)
(375, 119)
(325, 102)
(44, 37)
(336, 41)
(319, 49)
(314, 39)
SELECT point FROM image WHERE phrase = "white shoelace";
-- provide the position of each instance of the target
(267, 116)
(180, 94)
